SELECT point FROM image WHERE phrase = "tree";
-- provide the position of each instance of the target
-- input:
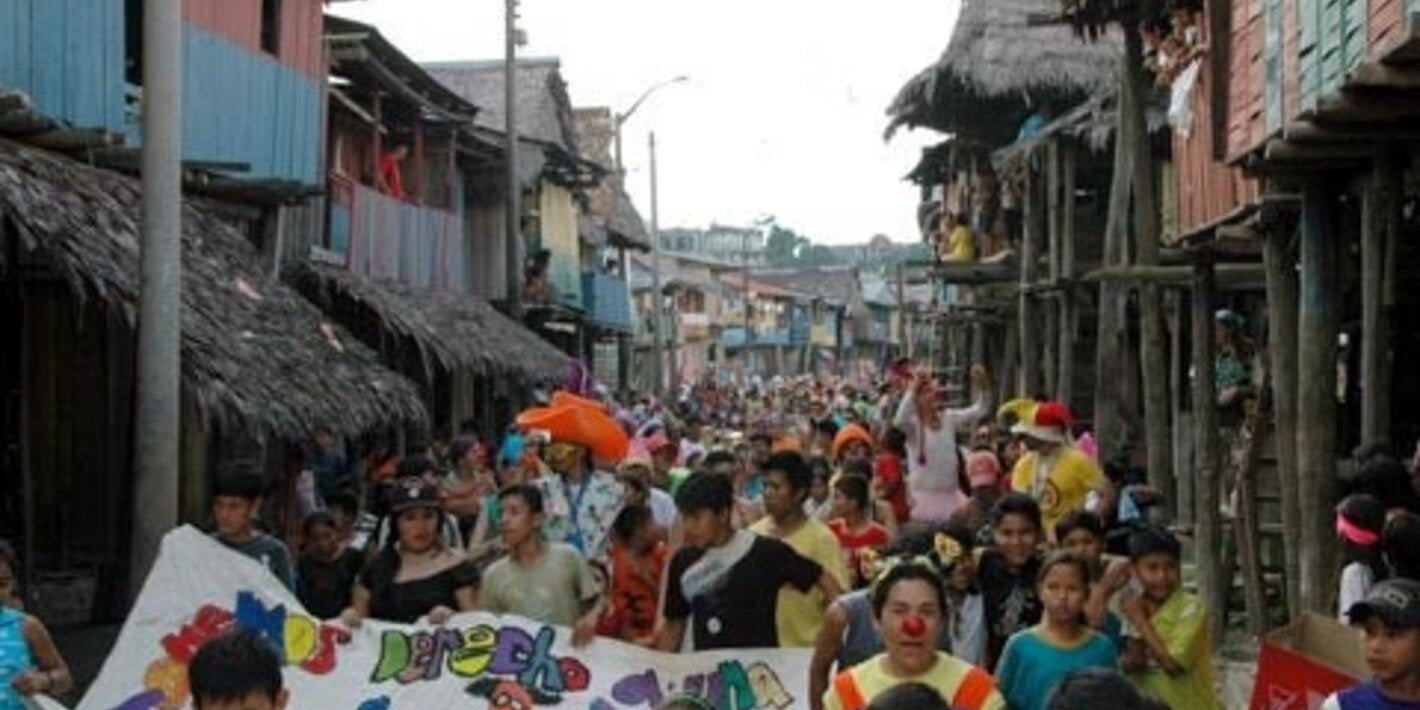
(783, 245)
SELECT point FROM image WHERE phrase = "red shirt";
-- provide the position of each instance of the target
(634, 598)
(874, 536)
(392, 177)
(887, 476)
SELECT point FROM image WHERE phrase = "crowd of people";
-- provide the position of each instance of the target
(927, 556)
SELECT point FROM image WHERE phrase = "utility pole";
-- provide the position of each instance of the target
(158, 413)
(658, 352)
(512, 221)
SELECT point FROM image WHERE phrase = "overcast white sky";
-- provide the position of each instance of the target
(783, 114)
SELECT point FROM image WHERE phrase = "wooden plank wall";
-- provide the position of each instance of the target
(1207, 189)
(1246, 119)
(301, 44)
(1387, 23)
(67, 55)
(394, 240)
(78, 393)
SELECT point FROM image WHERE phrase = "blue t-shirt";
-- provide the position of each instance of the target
(1031, 667)
(15, 656)
(1367, 696)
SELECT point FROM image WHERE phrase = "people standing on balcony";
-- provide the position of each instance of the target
(934, 463)
(537, 280)
(389, 177)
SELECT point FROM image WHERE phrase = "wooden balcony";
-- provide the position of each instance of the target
(388, 239)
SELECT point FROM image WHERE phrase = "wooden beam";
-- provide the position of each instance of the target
(1029, 382)
(1069, 318)
(1374, 75)
(1319, 295)
(1365, 106)
(1281, 263)
(1225, 274)
(1206, 457)
(1322, 132)
(67, 139)
(1381, 198)
(1283, 151)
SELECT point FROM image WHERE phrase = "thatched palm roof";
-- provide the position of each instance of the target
(1003, 57)
(254, 354)
(456, 331)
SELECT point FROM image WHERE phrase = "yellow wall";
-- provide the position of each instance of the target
(558, 216)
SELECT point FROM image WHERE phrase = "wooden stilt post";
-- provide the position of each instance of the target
(1318, 295)
(1069, 322)
(1245, 524)
(1050, 360)
(1147, 229)
(1212, 583)
(1108, 424)
(1026, 315)
(1379, 200)
(1279, 257)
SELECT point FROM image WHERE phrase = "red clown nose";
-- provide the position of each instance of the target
(914, 626)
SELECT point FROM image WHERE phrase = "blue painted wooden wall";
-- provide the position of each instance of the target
(239, 106)
(67, 55)
(246, 107)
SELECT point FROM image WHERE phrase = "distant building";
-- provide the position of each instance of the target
(730, 245)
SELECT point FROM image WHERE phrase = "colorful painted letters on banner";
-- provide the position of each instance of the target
(199, 589)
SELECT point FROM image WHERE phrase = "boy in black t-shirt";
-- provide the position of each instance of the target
(1007, 572)
(727, 579)
(327, 569)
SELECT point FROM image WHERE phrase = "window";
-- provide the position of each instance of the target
(271, 26)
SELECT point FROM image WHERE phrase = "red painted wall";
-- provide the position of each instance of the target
(302, 28)
(1208, 190)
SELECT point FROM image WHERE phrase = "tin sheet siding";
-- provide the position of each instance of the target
(301, 44)
(67, 55)
(389, 239)
(244, 107)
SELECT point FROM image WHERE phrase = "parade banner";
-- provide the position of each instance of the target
(198, 589)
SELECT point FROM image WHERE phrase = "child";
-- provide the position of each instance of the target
(909, 603)
(917, 696)
(1390, 616)
(30, 664)
(889, 483)
(819, 505)
(542, 581)
(1036, 660)
(238, 670)
(236, 499)
(1172, 659)
(1098, 689)
(1007, 571)
(1360, 522)
(327, 569)
(853, 525)
(638, 563)
(1083, 532)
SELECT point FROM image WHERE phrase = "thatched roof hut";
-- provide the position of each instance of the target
(255, 355)
(452, 330)
(1005, 59)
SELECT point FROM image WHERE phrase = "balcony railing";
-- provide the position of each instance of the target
(605, 301)
(385, 238)
(694, 325)
(735, 338)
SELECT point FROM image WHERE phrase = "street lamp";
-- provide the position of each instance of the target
(657, 332)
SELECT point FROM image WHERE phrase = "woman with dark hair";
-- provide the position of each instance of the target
(415, 575)
(1360, 521)
(30, 663)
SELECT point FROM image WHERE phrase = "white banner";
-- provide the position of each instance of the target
(198, 588)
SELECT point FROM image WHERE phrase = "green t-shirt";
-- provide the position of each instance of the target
(551, 589)
(1182, 622)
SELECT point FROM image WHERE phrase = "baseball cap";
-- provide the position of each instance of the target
(410, 493)
(1395, 601)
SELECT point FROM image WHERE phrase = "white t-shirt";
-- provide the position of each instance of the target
(1356, 581)
(663, 509)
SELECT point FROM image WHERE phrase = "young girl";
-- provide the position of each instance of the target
(1083, 532)
(853, 525)
(1360, 522)
(1036, 660)
(909, 603)
(29, 662)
